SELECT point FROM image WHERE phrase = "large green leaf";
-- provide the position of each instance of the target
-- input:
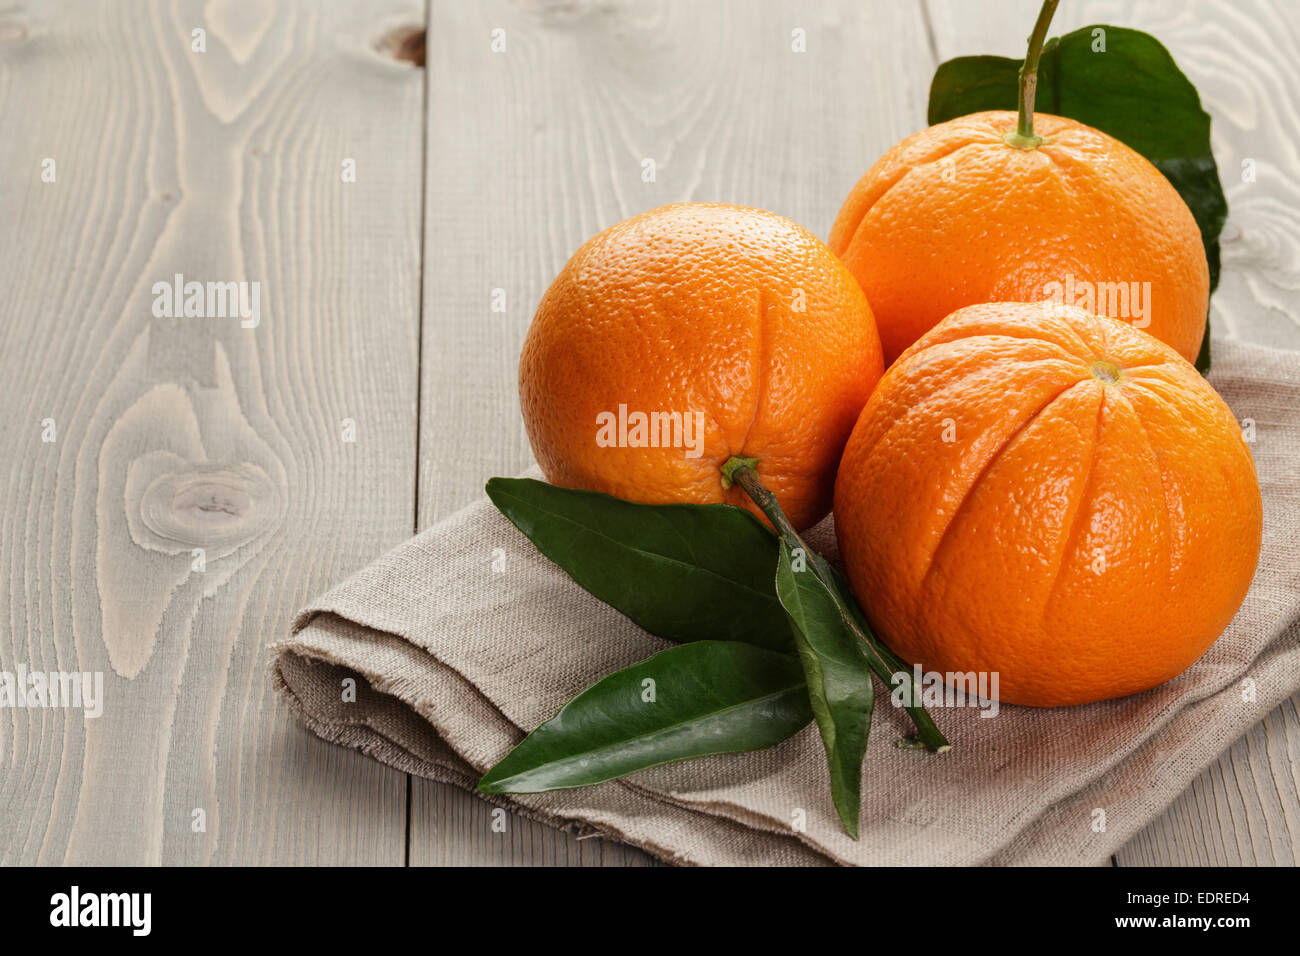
(683, 572)
(1132, 90)
(838, 675)
(708, 697)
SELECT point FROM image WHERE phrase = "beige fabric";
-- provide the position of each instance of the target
(466, 637)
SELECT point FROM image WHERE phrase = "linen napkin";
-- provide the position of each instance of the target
(465, 638)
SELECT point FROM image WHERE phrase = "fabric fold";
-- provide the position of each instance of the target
(464, 638)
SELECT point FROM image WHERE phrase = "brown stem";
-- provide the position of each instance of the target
(1024, 136)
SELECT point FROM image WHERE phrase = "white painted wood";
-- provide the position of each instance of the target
(554, 129)
(452, 827)
(1242, 56)
(183, 433)
(534, 149)
(1242, 811)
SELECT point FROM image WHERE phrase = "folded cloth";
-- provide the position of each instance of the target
(464, 638)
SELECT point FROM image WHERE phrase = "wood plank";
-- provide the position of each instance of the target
(452, 827)
(534, 149)
(183, 433)
(1241, 56)
(1242, 811)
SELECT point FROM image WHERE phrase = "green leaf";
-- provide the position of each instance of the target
(683, 572)
(884, 663)
(708, 697)
(1134, 91)
(838, 676)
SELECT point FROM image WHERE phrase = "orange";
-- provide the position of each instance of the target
(954, 215)
(1051, 496)
(732, 319)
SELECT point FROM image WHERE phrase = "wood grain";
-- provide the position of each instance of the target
(1243, 59)
(176, 434)
(1242, 811)
(555, 128)
(451, 827)
(182, 433)
(534, 149)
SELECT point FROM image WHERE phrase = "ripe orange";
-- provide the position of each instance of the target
(954, 215)
(732, 317)
(1053, 496)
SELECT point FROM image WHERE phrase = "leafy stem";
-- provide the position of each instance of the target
(1024, 136)
(883, 662)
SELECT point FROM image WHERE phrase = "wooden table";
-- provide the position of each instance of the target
(381, 321)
